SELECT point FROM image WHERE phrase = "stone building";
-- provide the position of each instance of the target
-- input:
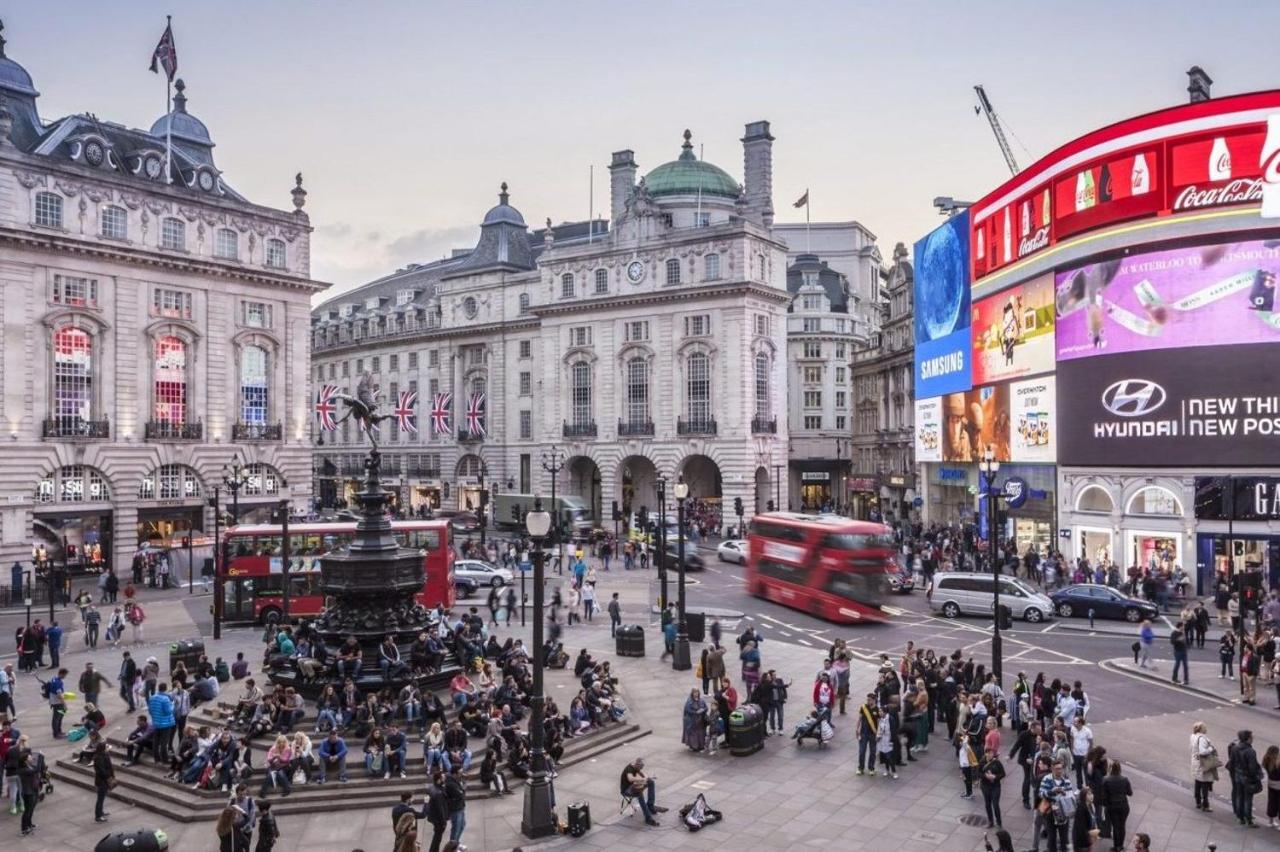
(153, 328)
(883, 479)
(651, 345)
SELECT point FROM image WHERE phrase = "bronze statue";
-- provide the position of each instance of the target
(364, 408)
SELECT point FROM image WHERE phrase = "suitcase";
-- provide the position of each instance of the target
(579, 819)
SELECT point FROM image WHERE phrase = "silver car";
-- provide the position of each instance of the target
(732, 550)
(958, 593)
(482, 572)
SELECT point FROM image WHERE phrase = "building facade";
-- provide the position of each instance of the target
(153, 329)
(883, 480)
(649, 346)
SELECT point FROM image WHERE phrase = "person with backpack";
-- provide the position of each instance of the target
(1060, 794)
(52, 689)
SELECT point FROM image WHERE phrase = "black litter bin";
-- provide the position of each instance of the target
(579, 819)
(746, 730)
(630, 641)
(185, 651)
(696, 624)
(134, 841)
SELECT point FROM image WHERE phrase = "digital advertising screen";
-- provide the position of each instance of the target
(1033, 420)
(929, 429)
(1187, 297)
(942, 309)
(974, 421)
(1013, 332)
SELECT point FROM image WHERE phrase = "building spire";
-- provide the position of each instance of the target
(686, 150)
(503, 196)
(2, 40)
(180, 99)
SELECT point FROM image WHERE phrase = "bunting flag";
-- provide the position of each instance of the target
(406, 416)
(475, 414)
(441, 411)
(326, 408)
(166, 54)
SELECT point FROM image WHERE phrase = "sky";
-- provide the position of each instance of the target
(404, 117)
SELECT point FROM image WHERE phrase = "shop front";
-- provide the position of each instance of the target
(424, 497)
(80, 539)
(815, 490)
(165, 522)
(952, 489)
(1130, 520)
(896, 491)
(864, 497)
(1032, 524)
(1237, 528)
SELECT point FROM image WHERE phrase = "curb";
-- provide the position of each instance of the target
(1111, 665)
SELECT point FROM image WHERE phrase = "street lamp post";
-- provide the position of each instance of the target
(214, 502)
(661, 541)
(26, 594)
(553, 462)
(233, 479)
(483, 500)
(990, 467)
(285, 558)
(539, 819)
(680, 659)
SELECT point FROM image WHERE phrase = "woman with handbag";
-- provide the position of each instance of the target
(1116, 791)
(104, 780)
(1204, 765)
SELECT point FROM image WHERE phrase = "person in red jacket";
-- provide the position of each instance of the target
(823, 693)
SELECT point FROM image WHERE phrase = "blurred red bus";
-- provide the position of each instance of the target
(252, 565)
(831, 567)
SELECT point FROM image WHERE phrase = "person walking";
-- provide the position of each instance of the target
(92, 621)
(91, 682)
(268, 829)
(29, 772)
(589, 600)
(104, 778)
(1226, 654)
(437, 810)
(1116, 792)
(1146, 636)
(1204, 765)
(615, 615)
(1246, 776)
(53, 638)
(128, 674)
(55, 691)
(455, 791)
(1178, 639)
(990, 775)
(1271, 766)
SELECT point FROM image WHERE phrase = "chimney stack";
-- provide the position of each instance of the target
(622, 181)
(757, 170)
(1198, 83)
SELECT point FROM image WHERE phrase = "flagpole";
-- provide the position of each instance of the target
(591, 204)
(808, 247)
(168, 111)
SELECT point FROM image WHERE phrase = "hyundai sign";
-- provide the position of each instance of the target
(1216, 405)
(942, 310)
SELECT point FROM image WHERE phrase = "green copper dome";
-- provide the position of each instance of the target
(688, 175)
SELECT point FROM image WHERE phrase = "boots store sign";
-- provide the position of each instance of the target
(1216, 153)
(1216, 405)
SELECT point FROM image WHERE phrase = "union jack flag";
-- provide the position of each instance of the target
(475, 414)
(406, 417)
(441, 410)
(326, 408)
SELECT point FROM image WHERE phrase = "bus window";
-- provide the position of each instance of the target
(782, 532)
(243, 547)
(854, 587)
(797, 574)
(857, 541)
(304, 585)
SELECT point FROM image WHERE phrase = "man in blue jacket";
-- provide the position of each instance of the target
(333, 755)
(53, 636)
(160, 708)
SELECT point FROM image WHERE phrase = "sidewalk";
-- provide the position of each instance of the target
(1205, 679)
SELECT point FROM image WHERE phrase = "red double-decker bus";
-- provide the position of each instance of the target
(252, 565)
(831, 567)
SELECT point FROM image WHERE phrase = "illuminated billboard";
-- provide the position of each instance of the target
(1203, 296)
(1013, 332)
(942, 309)
(1016, 420)
(929, 429)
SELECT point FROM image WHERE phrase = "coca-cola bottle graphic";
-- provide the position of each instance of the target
(1090, 189)
(1026, 218)
(1104, 183)
(1008, 236)
(1220, 160)
(1140, 178)
(1080, 191)
(982, 247)
(1044, 209)
(1269, 162)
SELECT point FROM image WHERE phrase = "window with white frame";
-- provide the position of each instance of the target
(812, 375)
(413, 360)
(811, 303)
(637, 391)
(226, 244)
(173, 234)
(762, 325)
(376, 364)
(812, 349)
(813, 421)
(174, 481)
(75, 292)
(73, 484)
(812, 325)
(580, 335)
(393, 365)
(526, 383)
(636, 330)
(275, 254)
(813, 399)
(257, 314)
(433, 357)
(346, 310)
(175, 304)
(115, 222)
(701, 219)
(170, 385)
(261, 480)
(372, 303)
(566, 286)
(841, 399)
(698, 387)
(697, 325)
(526, 424)
(526, 348)
(48, 209)
(673, 271)
(840, 374)
(346, 369)
(763, 406)
(762, 267)
(404, 297)
(72, 376)
(711, 265)
(602, 281)
(580, 393)
(524, 303)
(840, 350)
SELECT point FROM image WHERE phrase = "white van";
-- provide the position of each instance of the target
(958, 593)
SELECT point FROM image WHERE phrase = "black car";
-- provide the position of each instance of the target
(1105, 602)
(465, 587)
(693, 560)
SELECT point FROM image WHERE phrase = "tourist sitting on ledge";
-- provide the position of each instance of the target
(455, 747)
(332, 756)
(492, 650)
(205, 689)
(240, 668)
(409, 704)
(397, 749)
(462, 689)
(250, 697)
(291, 711)
(349, 662)
(310, 659)
(304, 757)
(584, 663)
(473, 718)
(375, 754)
(389, 659)
(579, 717)
(351, 701)
(432, 709)
(328, 710)
(93, 719)
(139, 739)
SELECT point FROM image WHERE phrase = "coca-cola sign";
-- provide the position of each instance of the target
(1035, 242)
(1240, 191)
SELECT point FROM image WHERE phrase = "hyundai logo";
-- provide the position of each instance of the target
(1133, 397)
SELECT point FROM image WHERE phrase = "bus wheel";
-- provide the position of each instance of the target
(268, 614)
(950, 610)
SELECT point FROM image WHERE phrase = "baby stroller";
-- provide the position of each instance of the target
(816, 727)
(699, 814)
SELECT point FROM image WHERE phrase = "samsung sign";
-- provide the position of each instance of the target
(943, 310)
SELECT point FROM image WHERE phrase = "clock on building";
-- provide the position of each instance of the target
(469, 307)
(93, 153)
(206, 181)
(635, 271)
(153, 166)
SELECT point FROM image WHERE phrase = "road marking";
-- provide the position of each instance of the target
(1166, 620)
(893, 610)
(717, 570)
(1050, 627)
(803, 642)
(784, 633)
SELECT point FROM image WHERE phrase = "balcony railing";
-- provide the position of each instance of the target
(465, 436)
(257, 431)
(165, 430)
(698, 426)
(764, 425)
(580, 430)
(74, 427)
(632, 428)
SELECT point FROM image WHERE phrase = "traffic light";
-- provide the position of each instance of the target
(617, 513)
(515, 514)
(1006, 618)
(737, 506)
(769, 506)
(644, 517)
(484, 497)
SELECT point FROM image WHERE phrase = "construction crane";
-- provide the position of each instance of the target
(984, 105)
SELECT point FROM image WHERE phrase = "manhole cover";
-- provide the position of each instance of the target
(973, 819)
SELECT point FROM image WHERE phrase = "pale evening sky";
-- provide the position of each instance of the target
(405, 116)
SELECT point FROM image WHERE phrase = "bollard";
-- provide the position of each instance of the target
(1090, 618)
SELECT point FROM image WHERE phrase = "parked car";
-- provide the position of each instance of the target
(465, 587)
(1105, 602)
(957, 593)
(732, 550)
(482, 572)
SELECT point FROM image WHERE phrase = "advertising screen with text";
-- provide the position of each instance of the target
(1013, 332)
(942, 309)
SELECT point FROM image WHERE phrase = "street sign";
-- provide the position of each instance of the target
(918, 502)
(1064, 533)
(1015, 491)
(26, 601)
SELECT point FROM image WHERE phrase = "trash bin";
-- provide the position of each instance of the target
(579, 819)
(746, 730)
(185, 651)
(134, 841)
(630, 641)
(696, 624)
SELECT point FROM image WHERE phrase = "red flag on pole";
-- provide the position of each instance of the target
(166, 53)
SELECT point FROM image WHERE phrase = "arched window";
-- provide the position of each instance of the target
(637, 391)
(1094, 498)
(115, 222)
(226, 244)
(566, 286)
(253, 385)
(73, 484)
(1154, 500)
(72, 377)
(602, 281)
(170, 380)
(698, 388)
(469, 467)
(173, 234)
(261, 480)
(762, 386)
(275, 254)
(48, 209)
(171, 482)
(712, 265)
(673, 271)
(580, 393)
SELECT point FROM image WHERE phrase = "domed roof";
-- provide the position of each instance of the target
(688, 175)
(13, 77)
(504, 213)
(185, 125)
